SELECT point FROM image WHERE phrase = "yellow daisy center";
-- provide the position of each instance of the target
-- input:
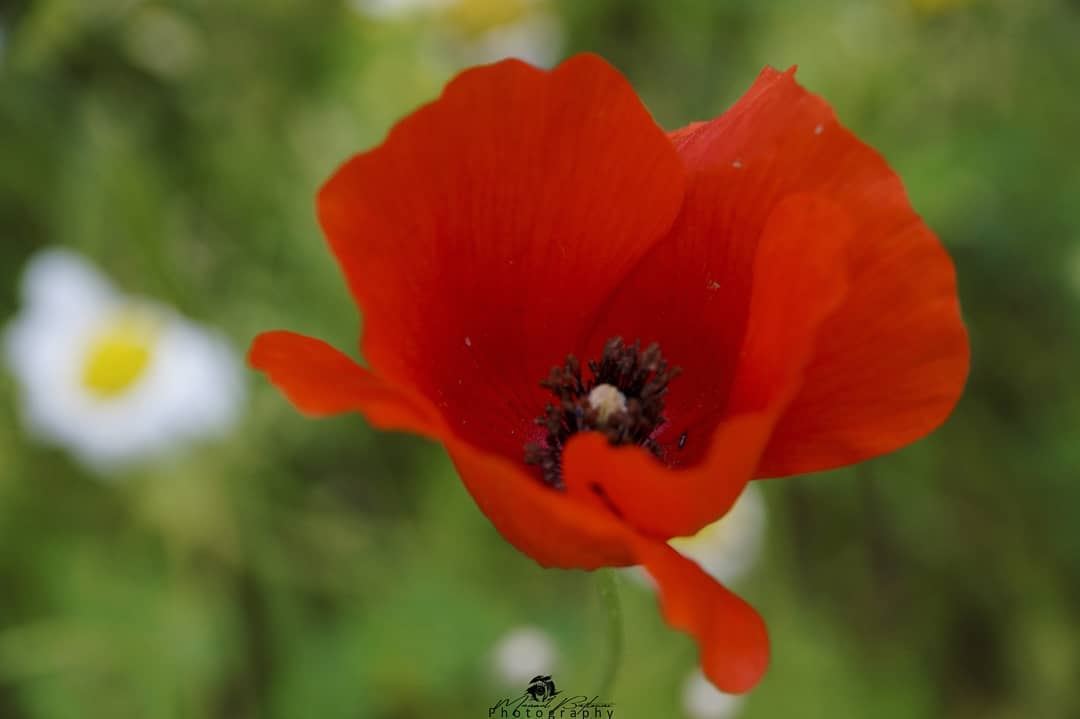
(118, 356)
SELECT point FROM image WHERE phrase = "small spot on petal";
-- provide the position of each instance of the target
(737, 164)
(468, 342)
(712, 285)
(819, 129)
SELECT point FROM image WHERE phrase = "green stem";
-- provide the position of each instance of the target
(609, 597)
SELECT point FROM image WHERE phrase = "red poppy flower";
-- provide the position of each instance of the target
(528, 215)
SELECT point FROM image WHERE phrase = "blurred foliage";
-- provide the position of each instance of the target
(318, 569)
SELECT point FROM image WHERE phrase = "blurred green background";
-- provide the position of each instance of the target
(319, 569)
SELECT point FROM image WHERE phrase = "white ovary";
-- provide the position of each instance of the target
(727, 548)
(607, 401)
(523, 653)
(701, 700)
(169, 382)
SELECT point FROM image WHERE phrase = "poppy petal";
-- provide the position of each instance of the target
(548, 526)
(892, 361)
(544, 524)
(731, 636)
(557, 531)
(691, 292)
(321, 381)
(485, 230)
(799, 279)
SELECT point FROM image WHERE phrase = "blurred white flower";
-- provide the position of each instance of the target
(480, 31)
(112, 378)
(536, 39)
(523, 653)
(163, 42)
(397, 8)
(728, 547)
(701, 700)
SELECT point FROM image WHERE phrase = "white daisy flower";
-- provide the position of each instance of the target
(729, 547)
(523, 653)
(114, 379)
(701, 700)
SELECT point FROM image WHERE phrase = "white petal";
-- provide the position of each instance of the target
(62, 281)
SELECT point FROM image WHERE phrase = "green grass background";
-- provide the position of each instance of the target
(319, 569)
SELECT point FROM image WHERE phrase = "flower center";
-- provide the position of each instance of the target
(624, 399)
(118, 356)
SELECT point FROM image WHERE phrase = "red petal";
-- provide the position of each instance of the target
(559, 532)
(490, 224)
(691, 292)
(321, 381)
(548, 526)
(798, 280)
(731, 636)
(891, 362)
(545, 524)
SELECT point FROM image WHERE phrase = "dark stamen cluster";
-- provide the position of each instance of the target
(642, 376)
